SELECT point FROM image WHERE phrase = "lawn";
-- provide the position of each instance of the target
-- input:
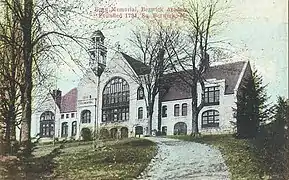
(124, 159)
(239, 155)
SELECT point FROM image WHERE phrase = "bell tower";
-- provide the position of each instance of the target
(97, 52)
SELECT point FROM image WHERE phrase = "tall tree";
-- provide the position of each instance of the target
(42, 25)
(151, 44)
(252, 106)
(201, 20)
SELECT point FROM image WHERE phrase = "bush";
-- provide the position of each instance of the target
(104, 134)
(86, 134)
(158, 133)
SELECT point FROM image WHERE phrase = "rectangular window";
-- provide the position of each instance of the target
(177, 110)
(67, 115)
(164, 111)
(72, 115)
(212, 95)
(62, 116)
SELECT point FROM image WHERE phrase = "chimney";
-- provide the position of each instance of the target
(56, 94)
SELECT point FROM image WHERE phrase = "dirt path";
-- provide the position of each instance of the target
(182, 160)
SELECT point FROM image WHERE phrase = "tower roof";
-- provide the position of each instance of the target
(98, 33)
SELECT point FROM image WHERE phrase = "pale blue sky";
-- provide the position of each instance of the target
(257, 31)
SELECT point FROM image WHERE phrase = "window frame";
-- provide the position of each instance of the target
(115, 101)
(85, 116)
(212, 120)
(140, 113)
(184, 109)
(140, 93)
(64, 129)
(74, 128)
(177, 110)
(212, 95)
(47, 124)
(164, 111)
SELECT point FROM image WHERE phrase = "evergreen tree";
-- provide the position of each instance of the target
(252, 108)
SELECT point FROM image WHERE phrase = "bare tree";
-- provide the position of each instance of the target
(154, 49)
(201, 19)
(41, 26)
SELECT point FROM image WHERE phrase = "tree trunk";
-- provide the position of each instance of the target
(27, 89)
(150, 118)
(195, 124)
(159, 114)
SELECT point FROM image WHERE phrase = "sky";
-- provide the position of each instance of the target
(256, 31)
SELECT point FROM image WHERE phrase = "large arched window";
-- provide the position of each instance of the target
(210, 118)
(64, 129)
(140, 93)
(73, 128)
(85, 116)
(47, 124)
(115, 101)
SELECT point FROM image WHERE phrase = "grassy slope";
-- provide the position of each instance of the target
(124, 159)
(238, 154)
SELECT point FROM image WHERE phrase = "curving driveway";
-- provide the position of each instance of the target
(183, 160)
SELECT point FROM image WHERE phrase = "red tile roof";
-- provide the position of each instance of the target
(69, 101)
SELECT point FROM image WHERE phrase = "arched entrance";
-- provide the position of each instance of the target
(124, 132)
(113, 133)
(180, 128)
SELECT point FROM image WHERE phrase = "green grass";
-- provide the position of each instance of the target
(123, 159)
(239, 155)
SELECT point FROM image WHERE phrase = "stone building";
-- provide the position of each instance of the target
(109, 100)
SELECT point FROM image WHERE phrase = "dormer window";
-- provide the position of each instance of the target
(140, 93)
(212, 95)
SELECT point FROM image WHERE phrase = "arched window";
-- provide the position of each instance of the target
(140, 113)
(176, 110)
(47, 124)
(138, 130)
(140, 93)
(180, 128)
(73, 128)
(64, 129)
(164, 111)
(184, 109)
(210, 118)
(85, 116)
(115, 101)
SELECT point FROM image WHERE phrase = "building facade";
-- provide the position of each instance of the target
(108, 100)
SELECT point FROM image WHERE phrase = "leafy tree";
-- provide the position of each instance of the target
(252, 107)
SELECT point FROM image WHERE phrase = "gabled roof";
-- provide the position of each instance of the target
(139, 67)
(69, 101)
(175, 88)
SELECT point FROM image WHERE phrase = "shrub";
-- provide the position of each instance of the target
(86, 134)
(104, 134)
